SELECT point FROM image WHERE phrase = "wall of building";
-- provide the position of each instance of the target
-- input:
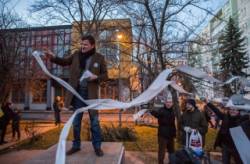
(33, 90)
(38, 92)
(237, 9)
(244, 22)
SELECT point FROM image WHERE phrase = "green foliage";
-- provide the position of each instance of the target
(233, 50)
(233, 54)
(194, 57)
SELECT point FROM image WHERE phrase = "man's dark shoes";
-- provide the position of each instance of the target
(99, 152)
(72, 151)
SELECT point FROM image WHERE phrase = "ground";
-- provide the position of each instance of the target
(142, 150)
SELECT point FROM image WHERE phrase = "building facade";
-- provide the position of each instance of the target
(209, 51)
(35, 91)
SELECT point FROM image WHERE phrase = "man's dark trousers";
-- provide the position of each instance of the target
(94, 122)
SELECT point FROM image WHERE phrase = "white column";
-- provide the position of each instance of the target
(49, 96)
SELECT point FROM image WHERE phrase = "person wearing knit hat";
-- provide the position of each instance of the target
(166, 128)
(230, 119)
(192, 118)
(192, 103)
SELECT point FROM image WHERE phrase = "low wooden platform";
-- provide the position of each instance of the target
(113, 154)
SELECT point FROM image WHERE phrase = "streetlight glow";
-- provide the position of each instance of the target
(119, 36)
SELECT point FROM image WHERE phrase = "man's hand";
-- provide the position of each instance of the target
(187, 129)
(93, 77)
(49, 54)
(203, 99)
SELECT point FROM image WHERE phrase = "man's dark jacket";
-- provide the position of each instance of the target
(97, 67)
(166, 121)
(224, 137)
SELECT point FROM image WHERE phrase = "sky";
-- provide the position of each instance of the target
(21, 7)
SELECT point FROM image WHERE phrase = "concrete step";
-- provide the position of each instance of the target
(113, 154)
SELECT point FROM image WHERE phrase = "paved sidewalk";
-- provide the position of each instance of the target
(113, 153)
(131, 157)
(16, 157)
(39, 128)
(136, 157)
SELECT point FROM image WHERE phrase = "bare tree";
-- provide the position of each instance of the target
(87, 15)
(162, 31)
(11, 59)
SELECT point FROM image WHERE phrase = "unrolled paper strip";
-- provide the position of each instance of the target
(139, 114)
(241, 143)
(87, 74)
(154, 89)
(37, 54)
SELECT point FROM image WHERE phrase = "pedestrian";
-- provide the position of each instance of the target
(1, 122)
(231, 118)
(86, 59)
(208, 113)
(192, 118)
(57, 105)
(7, 116)
(16, 124)
(166, 129)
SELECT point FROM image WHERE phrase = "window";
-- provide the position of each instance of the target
(45, 40)
(109, 91)
(38, 40)
(38, 89)
(111, 55)
(67, 38)
(18, 94)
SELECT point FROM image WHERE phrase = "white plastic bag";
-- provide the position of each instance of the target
(195, 141)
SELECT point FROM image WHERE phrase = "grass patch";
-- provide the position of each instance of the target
(146, 139)
(41, 141)
(47, 139)
(136, 138)
(210, 140)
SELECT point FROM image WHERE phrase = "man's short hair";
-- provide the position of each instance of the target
(90, 38)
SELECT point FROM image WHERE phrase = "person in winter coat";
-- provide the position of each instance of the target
(192, 118)
(8, 115)
(16, 124)
(86, 59)
(230, 119)
(57, 105)
(166, 130)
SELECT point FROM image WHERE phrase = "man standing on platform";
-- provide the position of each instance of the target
(86, 59)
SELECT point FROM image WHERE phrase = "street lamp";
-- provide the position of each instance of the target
(118, 38)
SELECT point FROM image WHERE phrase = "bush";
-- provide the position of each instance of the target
(32, 132)
(115, 133)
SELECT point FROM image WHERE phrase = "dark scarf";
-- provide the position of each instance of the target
(84, 57)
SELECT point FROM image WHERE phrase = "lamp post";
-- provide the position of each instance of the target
(118, 38)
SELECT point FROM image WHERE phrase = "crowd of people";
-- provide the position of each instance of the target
(193, 118)
(8, 114)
